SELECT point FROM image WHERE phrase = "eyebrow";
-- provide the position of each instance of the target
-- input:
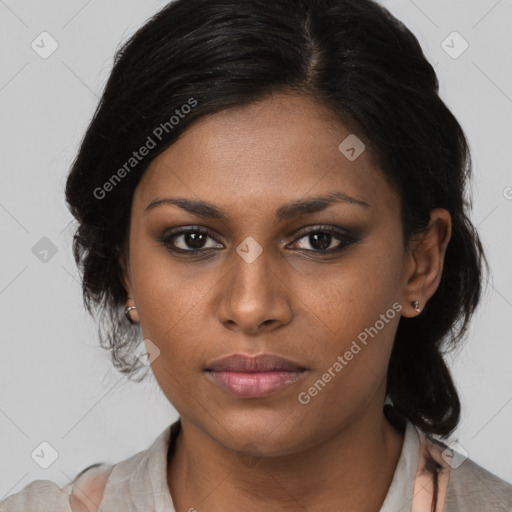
(285, 212)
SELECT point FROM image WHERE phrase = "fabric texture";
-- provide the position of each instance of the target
(139, 483)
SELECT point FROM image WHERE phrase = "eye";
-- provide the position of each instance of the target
(191, 240)
(325, 240)
(194, 240)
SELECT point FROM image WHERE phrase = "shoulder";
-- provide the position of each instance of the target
(38, 495)
(462, 485)
(94, 486)
(89, 487)
(83, 494)
(473, 488)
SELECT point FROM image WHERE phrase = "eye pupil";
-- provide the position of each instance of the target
(195, 239)
(320, 241)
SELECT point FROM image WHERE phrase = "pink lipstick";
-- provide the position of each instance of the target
(249, 376)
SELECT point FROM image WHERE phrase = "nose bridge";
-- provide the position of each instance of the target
(251, 278)
(253, 295)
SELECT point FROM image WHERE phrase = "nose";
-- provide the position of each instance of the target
(253, 297)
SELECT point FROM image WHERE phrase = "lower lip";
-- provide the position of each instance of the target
(256, 384)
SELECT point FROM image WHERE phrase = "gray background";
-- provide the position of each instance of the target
(56, 384)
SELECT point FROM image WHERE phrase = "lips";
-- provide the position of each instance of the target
(251, 363)
(246, 376)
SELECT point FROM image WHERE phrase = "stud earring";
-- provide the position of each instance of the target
(127, 313)
(416, 306)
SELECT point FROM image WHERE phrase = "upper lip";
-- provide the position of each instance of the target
(253, 363)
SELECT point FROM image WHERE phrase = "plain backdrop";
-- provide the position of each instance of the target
(56, 384)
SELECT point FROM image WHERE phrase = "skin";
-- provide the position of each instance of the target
(274, 453)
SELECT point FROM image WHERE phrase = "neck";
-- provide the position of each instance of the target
(205, 475)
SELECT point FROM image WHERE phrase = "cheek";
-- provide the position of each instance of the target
(353, 338)
(166, 290)
(344, 298)
(167, 302)
(352, 313)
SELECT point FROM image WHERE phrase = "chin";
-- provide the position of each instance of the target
(260, 433)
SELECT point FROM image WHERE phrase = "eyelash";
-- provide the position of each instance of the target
(345, 237)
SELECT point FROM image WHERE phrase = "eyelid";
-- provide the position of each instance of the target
(306, 230)
(183, 230)
(345, 237)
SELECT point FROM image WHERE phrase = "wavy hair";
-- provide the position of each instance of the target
(351, 56)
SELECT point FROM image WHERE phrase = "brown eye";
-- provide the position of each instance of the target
(190, 240)
(327, 240)
(322, 240)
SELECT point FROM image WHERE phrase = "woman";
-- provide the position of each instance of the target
(272, 196)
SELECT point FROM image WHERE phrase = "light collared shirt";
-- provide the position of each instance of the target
(139, 483)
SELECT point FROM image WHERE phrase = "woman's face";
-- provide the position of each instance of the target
(317, 285)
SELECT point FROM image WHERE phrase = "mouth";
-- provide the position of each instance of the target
(247, 376)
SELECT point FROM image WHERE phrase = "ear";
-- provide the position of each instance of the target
(128, 285)
(127, 275)
(425, 261)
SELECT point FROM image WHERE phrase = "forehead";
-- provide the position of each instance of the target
(281, 148)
